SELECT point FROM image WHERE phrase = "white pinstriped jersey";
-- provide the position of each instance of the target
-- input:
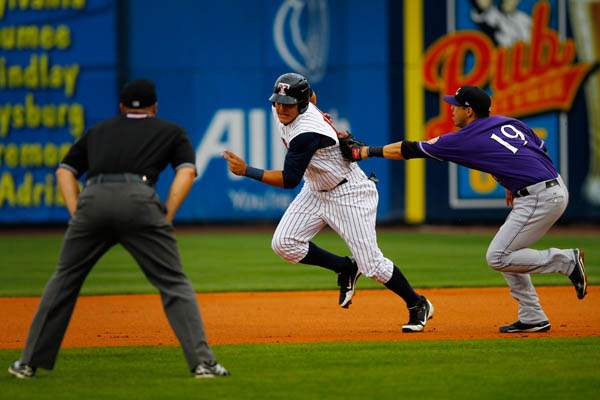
(327, 167)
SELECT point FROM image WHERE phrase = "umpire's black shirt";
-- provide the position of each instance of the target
(132, 143)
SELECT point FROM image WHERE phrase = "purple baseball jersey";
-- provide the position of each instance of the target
(504, 147)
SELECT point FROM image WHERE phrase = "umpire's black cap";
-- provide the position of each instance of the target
(140, 93)
(471, 96)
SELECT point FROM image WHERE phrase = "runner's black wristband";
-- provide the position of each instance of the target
(255, 173)
(375, 151)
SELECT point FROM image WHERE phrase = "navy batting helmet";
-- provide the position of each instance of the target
(291, 88)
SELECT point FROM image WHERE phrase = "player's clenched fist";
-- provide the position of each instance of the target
(235, 164)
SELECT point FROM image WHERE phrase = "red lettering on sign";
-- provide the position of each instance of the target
(526, 79)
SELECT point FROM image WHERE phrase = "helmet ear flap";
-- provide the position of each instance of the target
(303, 104)
(302, 107)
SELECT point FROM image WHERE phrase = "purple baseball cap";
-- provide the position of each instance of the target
(471, 96)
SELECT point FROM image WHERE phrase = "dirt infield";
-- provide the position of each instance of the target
(296, 317)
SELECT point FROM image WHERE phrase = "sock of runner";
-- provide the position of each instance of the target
(325, 259)
(399, 285)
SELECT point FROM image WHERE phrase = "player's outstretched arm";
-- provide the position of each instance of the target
(392, 151)
(239, 167)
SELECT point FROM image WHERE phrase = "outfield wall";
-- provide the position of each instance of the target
(378, 67)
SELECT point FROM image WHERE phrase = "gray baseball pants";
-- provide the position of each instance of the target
(130, 214)
(531, 217)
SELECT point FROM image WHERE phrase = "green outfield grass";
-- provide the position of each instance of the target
(244, 261)
(491, 369)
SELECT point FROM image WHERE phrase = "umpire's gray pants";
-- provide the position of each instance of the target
(110, 213)
(531, 217)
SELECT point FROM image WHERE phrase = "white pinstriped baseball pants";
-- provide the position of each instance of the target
(350, 210)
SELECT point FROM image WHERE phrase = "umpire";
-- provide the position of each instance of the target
(123, 157)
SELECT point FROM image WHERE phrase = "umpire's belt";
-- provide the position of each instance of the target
(339, 184)
(536, 188)
(118, 178)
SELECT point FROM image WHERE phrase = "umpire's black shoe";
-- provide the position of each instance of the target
(418, 316)
(210, 370)
(21, 371)
(347, 283)
(519, 327)
(578, 275)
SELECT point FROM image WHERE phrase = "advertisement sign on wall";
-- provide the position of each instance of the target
(57, 70)
(218, 90)
(519, 52)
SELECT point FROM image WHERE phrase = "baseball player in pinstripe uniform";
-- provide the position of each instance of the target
(336, 193)
(510, 151)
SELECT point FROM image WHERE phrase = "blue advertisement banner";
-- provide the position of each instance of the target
(57, 69)
(215, 65)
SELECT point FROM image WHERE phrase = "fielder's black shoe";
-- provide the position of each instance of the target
(21, 371)
(347, 283)
(210, 370)
(519, 327)
(418, 316)
(578, 275)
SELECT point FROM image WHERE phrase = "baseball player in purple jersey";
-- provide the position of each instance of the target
(510, 151)
(336, 193)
